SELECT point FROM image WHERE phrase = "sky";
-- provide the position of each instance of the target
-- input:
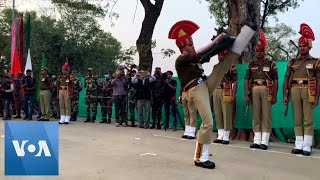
(127, 26)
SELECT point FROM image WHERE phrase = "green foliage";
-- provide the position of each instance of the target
(85, 44)
(278, 39)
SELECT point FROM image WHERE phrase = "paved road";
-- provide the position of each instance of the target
(103, 152)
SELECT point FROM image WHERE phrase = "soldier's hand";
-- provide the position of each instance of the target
(233, 99)
(274, 100)
(179, 100)
(285, 100)
(247, 100)
(315, 103)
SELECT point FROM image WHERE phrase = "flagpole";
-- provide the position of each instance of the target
(13, 8)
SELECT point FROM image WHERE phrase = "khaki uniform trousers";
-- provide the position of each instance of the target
(45, 103)
(190, 112)
(261, 110)
(199, 96)
(64, 102)
(302, 111)
(222, 110)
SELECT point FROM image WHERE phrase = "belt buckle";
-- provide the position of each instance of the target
(300, 82)
(200, 80)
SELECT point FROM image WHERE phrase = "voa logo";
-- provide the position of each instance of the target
(41, 148)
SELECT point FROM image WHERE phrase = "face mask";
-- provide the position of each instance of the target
(106, 76)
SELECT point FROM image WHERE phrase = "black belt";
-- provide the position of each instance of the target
(300, 82)
(193, 84)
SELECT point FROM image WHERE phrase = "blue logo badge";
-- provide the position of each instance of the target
(31, 148)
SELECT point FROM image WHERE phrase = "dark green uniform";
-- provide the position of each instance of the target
(77, 87)
(91, 99)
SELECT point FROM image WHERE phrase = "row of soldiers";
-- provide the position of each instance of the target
(301, 85)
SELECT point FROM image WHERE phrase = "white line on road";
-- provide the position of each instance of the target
(242, 147)
(150, 154)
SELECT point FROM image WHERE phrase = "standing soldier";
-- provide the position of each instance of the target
(223, 97)
(106, 99)
(65, 94)
(197, 87)
(263, 75)
(91, 85)
(45, 95)
(77, 87)
(131, 95)
(157, 92)
(17, 94)
(54, 98)
(303, 73)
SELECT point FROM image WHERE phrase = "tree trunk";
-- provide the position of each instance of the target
(241, 12)
(152, 12)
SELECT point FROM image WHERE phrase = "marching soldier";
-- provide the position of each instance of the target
(77, 87)
(303, 74)
(198, 87)
(65, 94)
(91, 99)
(263, 75)
(106, 99)
(223, 97)
(54, 98)
(45, 95)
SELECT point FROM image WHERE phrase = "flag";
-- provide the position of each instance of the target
(28, 64)
(27, 30)
(13, 40)
(15, 65)
(21, 42)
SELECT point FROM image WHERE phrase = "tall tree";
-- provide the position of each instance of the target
(144, 42)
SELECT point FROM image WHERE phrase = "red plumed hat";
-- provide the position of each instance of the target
(262, 43)
(307, 35)
(66, 65)
(182, 31)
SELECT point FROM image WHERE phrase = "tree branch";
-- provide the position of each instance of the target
(158, 4)
(265, 13)
(146, 4)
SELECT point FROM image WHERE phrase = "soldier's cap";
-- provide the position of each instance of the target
(90, 69)
(44, 69)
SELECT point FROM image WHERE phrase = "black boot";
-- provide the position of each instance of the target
(208, 164)
(88, 119)
(72, 117)
(109, 120)
(93, 119)
(153, 124)
(103, 120)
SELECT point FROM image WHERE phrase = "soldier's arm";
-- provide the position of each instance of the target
(275, 78)
(247, 78)
(235, 78)
(186, 59)
(286, 79)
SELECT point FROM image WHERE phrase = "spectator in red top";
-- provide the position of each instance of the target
(170, 100)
